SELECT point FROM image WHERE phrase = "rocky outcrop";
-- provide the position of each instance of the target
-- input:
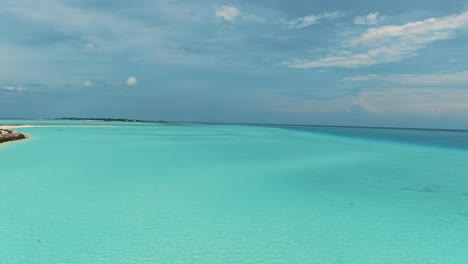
(10, 135)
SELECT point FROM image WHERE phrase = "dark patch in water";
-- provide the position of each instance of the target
(201, 135)
(464, 214)
(351, 204)
(426, 189)
(464, 194)
(443, 137)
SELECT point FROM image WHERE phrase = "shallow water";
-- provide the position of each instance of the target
(145, 193)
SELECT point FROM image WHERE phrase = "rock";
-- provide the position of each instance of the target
(10, 135)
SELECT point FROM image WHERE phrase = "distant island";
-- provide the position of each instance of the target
(7, 135)
(110, 120)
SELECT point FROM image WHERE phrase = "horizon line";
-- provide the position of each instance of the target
(251, 123)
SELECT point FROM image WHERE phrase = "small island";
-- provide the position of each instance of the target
(7, 135)
(110, 120)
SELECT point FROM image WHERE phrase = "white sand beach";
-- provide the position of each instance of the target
(13, 127)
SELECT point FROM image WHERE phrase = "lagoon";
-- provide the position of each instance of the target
(105, 192)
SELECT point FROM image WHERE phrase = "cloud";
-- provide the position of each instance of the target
(89, 47)
(396, 101)
(419, 32)
(119, 32)
(351, 60)
(457, 60)
(14, 88)
(252, 17)
(417, 79)
(420, 101)
(369, 19)
(132, 81)
(228, 13)
(88, 83)
(309, 20)
(390, 43)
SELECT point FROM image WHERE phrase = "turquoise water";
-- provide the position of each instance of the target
(132, 193)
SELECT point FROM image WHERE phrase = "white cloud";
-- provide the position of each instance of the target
(132, 81)
(88, 83)
(309, 20)
(390, 43)
(251, 17)
(396, 101)
(351, 60)
(228, 13)
(419, 32)
(122, 32)
(452, 60)
(14, 88)
(414, 101)
(302, 22)
(369, 19)
(417, 79)
(89, 47)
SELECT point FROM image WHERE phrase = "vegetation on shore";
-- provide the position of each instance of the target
(7, 135)
(110, 120)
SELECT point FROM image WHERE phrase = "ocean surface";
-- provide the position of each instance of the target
(103, 192)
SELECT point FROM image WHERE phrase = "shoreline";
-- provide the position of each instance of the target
(9, 127)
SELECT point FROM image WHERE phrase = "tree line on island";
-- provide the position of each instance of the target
(110, 120)
(10, 135)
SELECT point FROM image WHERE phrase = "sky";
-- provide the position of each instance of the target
(335, 62)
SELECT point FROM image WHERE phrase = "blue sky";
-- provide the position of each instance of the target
(384, 63)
